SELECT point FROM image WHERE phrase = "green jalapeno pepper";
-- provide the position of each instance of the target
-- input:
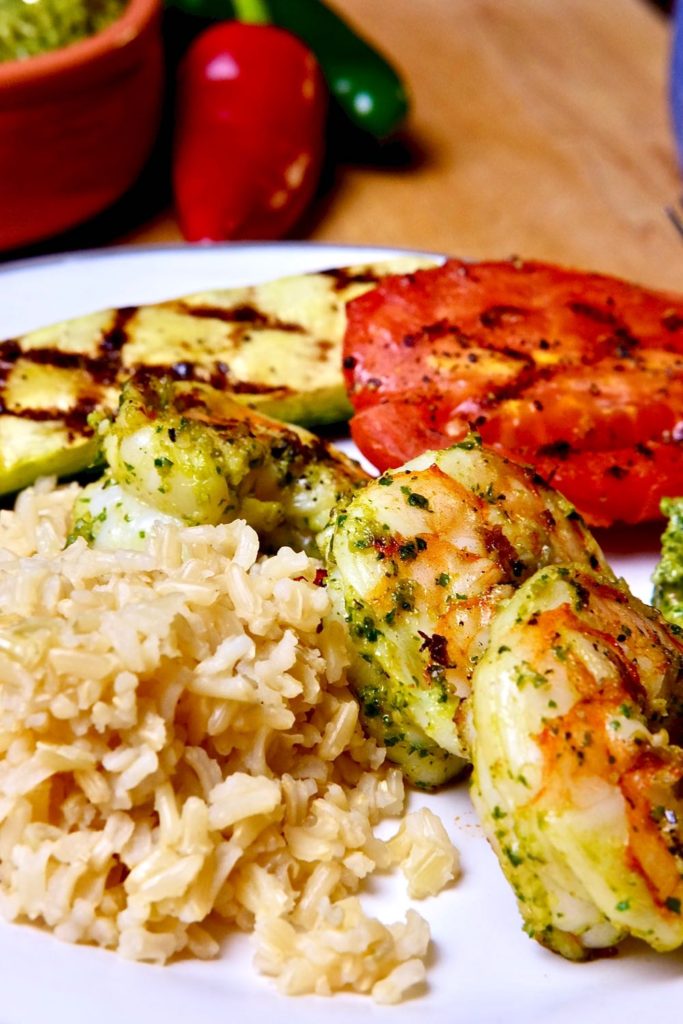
(363, 82)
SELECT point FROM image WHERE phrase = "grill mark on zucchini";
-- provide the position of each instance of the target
(11, 353)
(343, 277)
(106, 369)
(103, 368)
(244, 314)
(53, 378)
(111, 346)
(218, 376)
(74, 420)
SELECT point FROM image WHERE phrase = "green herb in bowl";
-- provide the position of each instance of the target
(30, 27)
(668, 576)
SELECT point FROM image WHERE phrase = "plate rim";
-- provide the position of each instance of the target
(342, 1007)
(152, 248)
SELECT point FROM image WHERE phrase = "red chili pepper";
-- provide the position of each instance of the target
(249, 133)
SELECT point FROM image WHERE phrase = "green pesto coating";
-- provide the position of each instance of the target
(192, 454)
(668, 576)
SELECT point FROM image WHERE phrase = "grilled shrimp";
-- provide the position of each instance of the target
(419, 562)
(188, 453)
(576, 708)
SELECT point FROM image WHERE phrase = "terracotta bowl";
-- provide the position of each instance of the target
(77, 124)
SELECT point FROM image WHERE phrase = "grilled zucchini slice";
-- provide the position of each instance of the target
(276, 347)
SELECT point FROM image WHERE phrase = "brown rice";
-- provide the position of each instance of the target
(179, 748)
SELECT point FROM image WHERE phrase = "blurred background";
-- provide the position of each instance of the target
(532, 128)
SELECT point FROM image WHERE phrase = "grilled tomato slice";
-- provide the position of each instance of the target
(578, 374)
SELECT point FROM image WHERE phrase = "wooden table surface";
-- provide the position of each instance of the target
(538, 128)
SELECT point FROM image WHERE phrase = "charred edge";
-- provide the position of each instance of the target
(435, 331)
(497, 543)
(661, 771)
(548, 519)
(627, 669)
(437, 647)
(625, 666)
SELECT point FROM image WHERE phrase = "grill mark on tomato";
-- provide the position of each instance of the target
(626, 344)
(501, 315)
(573, 320)
(594, 313)
(529, 376)
(672, 321)
(556, 450)
(437, 330)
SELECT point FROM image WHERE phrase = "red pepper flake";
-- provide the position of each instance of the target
(318, 580)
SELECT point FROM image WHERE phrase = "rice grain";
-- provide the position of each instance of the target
(179, 748)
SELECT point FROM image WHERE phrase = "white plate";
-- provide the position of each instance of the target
(484, 969)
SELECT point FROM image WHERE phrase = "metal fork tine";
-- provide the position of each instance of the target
(675, 215)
